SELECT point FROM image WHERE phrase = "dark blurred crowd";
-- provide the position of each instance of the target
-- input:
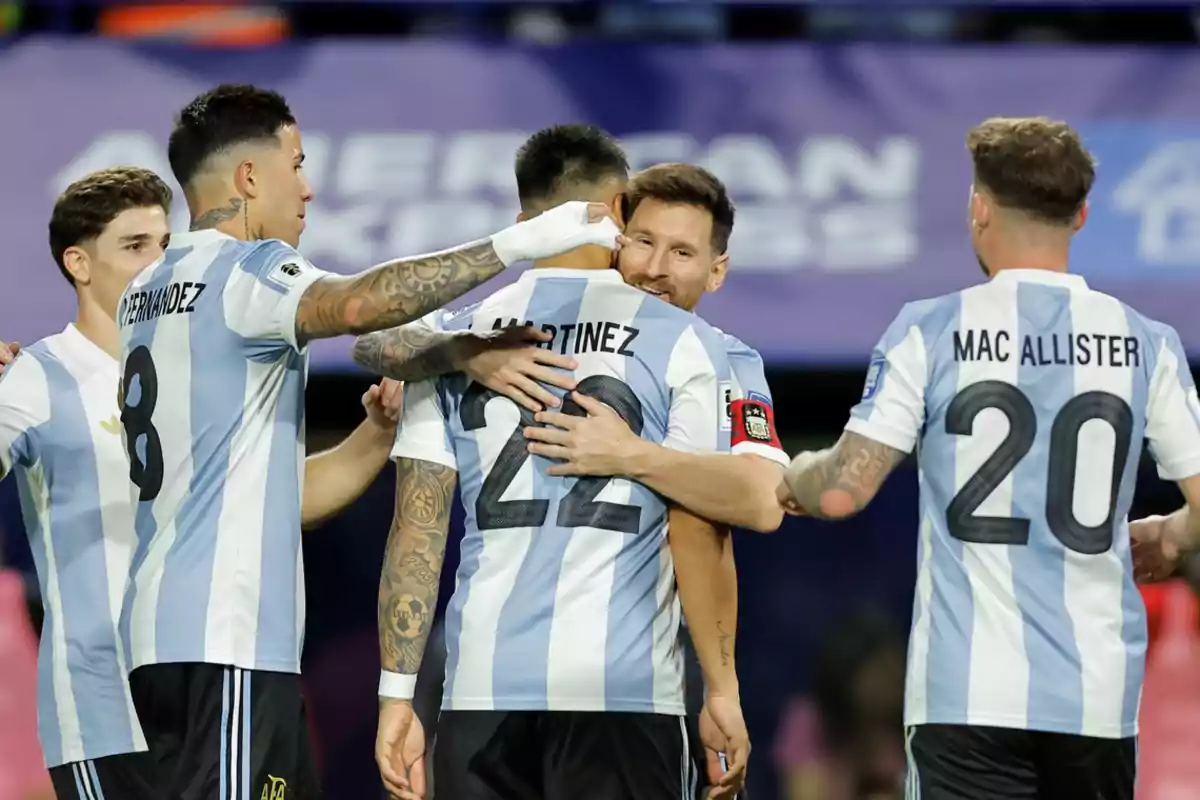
(553, 22)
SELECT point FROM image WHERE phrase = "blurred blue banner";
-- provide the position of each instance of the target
(847, 163)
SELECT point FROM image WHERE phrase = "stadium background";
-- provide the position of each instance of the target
(838, 127)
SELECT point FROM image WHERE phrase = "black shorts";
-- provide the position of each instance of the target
(961, 762)
(124, 777)
(222, 733)
(563, 755)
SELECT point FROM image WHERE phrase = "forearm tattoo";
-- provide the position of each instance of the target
(725, 640)
(394, 293)
(855, 465)
(407, 353)
(412, 562)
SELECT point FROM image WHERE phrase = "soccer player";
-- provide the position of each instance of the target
(60, 436)
(1027, 398)
(678, 219)
(563, 675)
(678, 222)
(213, 342)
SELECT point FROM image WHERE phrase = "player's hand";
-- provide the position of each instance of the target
(7, 353)
(400, 750)
(788, 503)
(383, 402)
(723, 733)
(599, 444)
(509, 362)
(1154, 547)
(559, 230)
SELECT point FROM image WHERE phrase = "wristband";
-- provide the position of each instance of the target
(397, 685)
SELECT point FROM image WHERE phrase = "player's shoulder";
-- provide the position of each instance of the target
(697, 340)
(498, 309)
(267, 256)
(931, 317)
(735, 348)
(455, 319)
(933, 309)
(1140, 326)
(265, 249)
(1144, 326)
(26, 379)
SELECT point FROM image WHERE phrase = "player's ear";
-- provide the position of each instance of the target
(1080, 218)
(981, 210)
(620, 208)
(716, 273)
(245, 179)
(78, 265)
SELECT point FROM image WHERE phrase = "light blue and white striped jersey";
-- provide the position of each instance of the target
(565, 596)
(1028, 398)
(61, 439)
(214, 419)
(749, 405)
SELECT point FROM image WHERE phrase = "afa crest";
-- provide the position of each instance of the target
(754, 418)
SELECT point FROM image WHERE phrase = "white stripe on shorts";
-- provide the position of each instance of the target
(912, 783)
(87, 782)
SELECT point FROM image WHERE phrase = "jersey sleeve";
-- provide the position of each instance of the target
(1173, 412)
(892, 409)
(751, 412)
(698, 374)
(24, 405)
(423, 434)
(264, 291)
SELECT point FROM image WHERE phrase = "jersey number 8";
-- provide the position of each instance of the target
(146, 474)
(961, 519)
(580, 507)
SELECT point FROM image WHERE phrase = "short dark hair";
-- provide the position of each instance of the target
(563, 157)
(88, 205)
(684, 184)
(221, 118)
(1034, 165)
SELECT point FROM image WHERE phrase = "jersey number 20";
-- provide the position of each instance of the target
(961, 519)
(147, 475)
(580, 507)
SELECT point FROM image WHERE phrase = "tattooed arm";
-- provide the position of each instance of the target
(400, 291)
(883, 428)
(515, 362)
(412, 352)
(412, 562)
(707, 578)
(838, 482)
(394, 292)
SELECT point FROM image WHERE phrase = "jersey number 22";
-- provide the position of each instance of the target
(580, 507)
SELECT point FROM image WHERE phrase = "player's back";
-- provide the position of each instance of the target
(214, 399)
(1038, 391)
(565, 597)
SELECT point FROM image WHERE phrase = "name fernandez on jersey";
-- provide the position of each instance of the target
(174, 298)
(1069, 349)
(584, 337)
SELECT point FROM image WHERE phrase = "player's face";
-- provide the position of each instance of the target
(670, 253)
(130, 243)
(284, 191)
